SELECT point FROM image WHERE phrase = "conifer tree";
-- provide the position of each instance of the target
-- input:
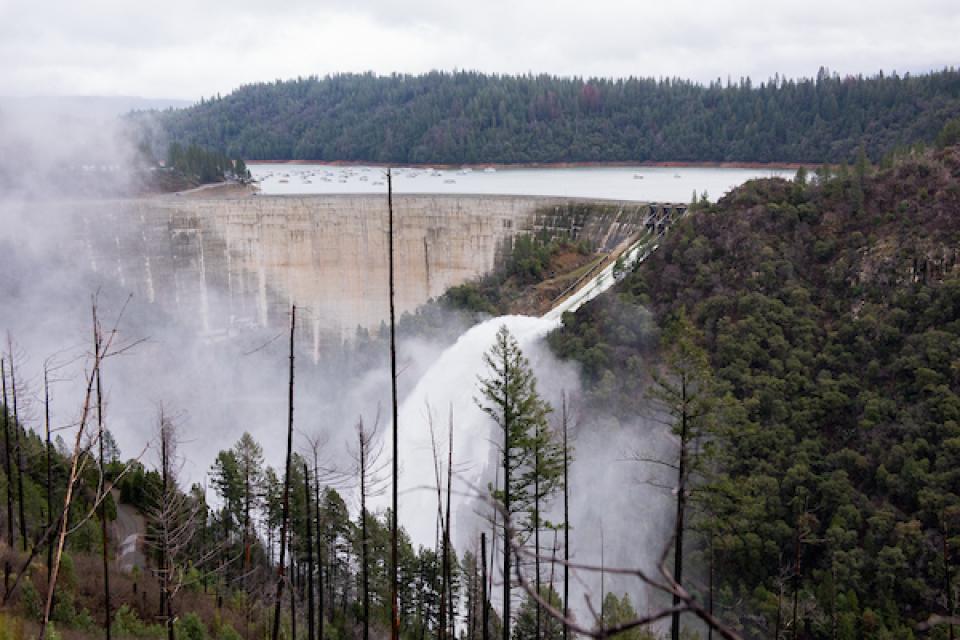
(510, 398)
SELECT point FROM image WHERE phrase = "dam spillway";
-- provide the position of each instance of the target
(226, 264)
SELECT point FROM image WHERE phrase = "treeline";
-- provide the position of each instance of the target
(198, 163)
(825, 497)
(468, 117)
(200, 566)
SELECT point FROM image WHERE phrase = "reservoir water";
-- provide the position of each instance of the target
(649, 184)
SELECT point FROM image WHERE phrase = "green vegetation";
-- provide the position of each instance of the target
(470, 117)
(829, 504)
(529, 263)
(205, 166)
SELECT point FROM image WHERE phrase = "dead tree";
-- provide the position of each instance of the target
(662, 581)
(316, 444)
(447, 579)
(566, 511)
(174, 518)
(370, 476)
(286, 486)
(18, 448)
(106, 349)
(46, 424)
(306, 502)
(394, 526)
(485, 633)
(105, 538)
(7, 465)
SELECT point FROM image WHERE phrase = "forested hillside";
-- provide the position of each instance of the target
(468, 117)
(826, 497)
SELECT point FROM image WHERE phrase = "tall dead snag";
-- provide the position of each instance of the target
(306, 502)
(369, 472)
(316, 442)
(18, 449)
(49, 448)
(7, 465)
(104, 534)
(447, 578)
(566, 513)
(364, 540)
(174, 518)
(485, 633)
(394, 527)
(75, 468)
(286, 487)
(683, 392)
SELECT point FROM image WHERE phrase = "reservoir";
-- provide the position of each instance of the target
(648, 184)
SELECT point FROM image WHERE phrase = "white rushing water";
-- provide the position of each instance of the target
(450, 385)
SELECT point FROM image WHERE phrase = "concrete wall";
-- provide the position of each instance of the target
(226, 264)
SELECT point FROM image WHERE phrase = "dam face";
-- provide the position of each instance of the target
(225, 265)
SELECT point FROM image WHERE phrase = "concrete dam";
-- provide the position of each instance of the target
(229, 264)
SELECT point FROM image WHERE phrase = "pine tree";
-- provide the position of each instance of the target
(510, 398)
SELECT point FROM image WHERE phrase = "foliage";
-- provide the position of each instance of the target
(526, 625)
(831, 320)
(471, 117)
(190, 627)
(203, 165)
(620, 610)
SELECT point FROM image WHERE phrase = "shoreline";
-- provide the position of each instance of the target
(793, 166)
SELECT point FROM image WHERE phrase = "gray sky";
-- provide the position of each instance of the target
(185, 49)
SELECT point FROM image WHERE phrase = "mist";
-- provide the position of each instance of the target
(219, 384)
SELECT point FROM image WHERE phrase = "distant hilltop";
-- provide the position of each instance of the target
(472, 118)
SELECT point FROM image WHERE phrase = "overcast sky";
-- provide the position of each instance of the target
(188, 48)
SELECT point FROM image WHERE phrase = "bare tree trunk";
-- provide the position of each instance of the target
(394, 527)
(446, 544)
(7, 465)
(603, 576)
(68, 497)
(165, 564)
(320, 554)
(566, 517)
(506, 519)
(363, 534)
(310, 602)
(536, 529)
(681, 510)
(17, 447)
(104, 534)
(286, 487)
(46, 422)
(485, 632)
(293, 593)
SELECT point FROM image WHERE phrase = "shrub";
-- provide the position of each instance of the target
(190, 627)
(30, 600)
(228, 633)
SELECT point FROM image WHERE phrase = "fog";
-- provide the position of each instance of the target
(219, 388)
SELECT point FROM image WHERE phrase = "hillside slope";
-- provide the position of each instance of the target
(830, 314)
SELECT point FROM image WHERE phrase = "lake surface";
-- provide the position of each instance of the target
(651, 184)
